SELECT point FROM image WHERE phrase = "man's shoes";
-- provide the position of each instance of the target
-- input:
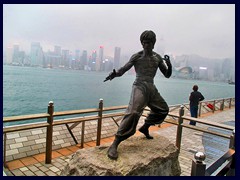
(144, 130)
(112, 152)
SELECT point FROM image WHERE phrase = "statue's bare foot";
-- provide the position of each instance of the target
(112, 152)
(145, 132)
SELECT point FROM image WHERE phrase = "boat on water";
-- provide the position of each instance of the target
(231, 82)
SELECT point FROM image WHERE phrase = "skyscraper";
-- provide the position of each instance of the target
(15, 53)
(9, 55)
(57, 50)
(117, 53)
(99, 64)
(84, 59)
(92, 62)
(65, 59)
(36, 54)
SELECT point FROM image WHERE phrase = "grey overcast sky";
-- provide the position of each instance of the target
(204, 29)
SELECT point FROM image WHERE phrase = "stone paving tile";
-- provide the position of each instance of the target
(33, 168)
(40, 157)
(28, 173)
(28, 161)
(39, 173)
(64, 151)
(15, 164)
(55, 154)
(50, 173)
(17, 172)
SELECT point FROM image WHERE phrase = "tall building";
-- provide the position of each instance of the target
(36, 54)
(117, 53)
(92, 61)
(100, 64)
(9, 55)
(57, 50)
(15, 54)
(84, 60)
(65, 59)
(77, 55)
(77, 58)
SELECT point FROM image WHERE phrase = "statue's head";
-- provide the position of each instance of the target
(148, 35)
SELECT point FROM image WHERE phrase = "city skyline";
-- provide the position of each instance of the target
(204, 29)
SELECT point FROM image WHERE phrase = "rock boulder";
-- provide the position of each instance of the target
(138, 156)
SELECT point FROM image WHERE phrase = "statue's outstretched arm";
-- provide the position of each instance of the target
(112, 75)
(120, 71)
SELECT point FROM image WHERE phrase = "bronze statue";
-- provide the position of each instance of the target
(144, 92)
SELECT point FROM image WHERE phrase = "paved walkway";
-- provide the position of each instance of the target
(192, 141)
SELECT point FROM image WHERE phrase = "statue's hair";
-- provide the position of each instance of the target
(149, 35)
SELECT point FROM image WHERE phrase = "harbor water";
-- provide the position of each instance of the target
(27, 90)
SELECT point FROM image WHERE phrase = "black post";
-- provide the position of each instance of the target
(222, 105)
(230, 103)
(82, 135)
(49, 135)
(214, 104)
(198, 164)
(4, 150)
(179, 127)
(99, 125)
(232, 140)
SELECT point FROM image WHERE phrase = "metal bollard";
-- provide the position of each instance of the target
(198, 164)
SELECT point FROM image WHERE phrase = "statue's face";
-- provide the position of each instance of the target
(147, 45)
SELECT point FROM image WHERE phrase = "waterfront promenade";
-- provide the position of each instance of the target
(192, 142)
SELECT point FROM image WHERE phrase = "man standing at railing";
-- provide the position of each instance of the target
(144, 92)
(194, 99)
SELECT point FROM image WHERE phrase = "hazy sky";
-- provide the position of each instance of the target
(204, 29)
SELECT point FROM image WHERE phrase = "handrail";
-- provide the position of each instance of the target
(225, 165)
(24, 127)
(51, 114)
(202, 121)
(214, 166)
(73, 112)
(25, 117)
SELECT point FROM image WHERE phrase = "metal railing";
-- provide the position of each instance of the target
(224, 166)
(100, 116)
(50, 123)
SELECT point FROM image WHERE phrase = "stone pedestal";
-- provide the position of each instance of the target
(138, 156)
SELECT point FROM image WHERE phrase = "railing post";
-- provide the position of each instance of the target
(232, 140)
(222, 105)
(4, 150)
(230, 103)
(198, 165)
(200, 109)
(49, 135)
(179, 127)
(82, 135)
(99, 125)
(214, 104)
(231, 171)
